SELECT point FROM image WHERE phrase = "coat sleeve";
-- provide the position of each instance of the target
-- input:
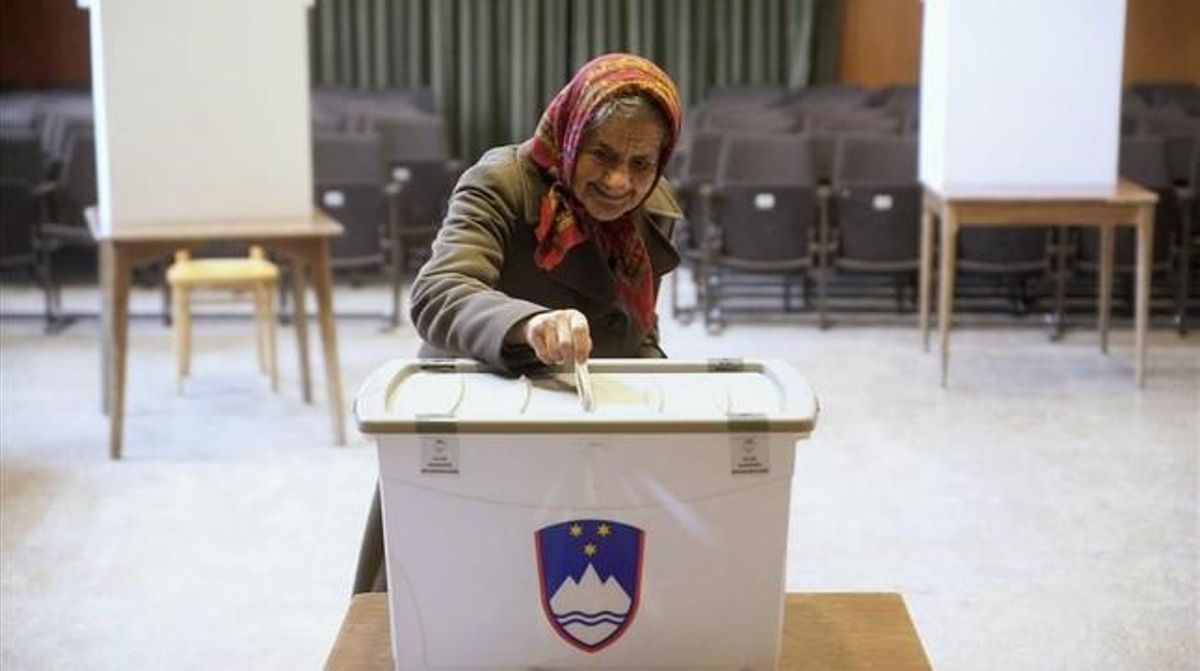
(455, 303)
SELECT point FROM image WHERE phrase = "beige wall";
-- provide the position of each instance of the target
(44, 43)
(881, 41)
(1162, 41)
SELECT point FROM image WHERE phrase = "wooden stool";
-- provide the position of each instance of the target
(254, 274)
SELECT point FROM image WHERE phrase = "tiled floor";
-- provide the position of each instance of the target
(1040, 513)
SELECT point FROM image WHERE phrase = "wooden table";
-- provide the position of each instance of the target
(1127, 205)
(821, 632)
(303, 242)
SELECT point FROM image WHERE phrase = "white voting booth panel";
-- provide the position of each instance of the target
(1021, 96)
(523, 531)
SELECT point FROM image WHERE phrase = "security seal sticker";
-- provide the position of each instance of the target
(439, 455)
(749, 454)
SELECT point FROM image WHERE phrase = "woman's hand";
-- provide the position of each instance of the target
(558, 336)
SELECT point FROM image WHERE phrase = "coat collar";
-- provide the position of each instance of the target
(583, 268)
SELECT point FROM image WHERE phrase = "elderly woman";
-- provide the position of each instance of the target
(552, 250)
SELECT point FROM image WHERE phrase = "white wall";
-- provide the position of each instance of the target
(202, 109)
(1021, 95)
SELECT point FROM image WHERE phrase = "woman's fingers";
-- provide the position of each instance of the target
(563, 337)
(559, 336)
(581, 337)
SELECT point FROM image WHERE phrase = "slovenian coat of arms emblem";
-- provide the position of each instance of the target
(590, 575)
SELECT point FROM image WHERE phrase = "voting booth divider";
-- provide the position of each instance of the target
(646, 528)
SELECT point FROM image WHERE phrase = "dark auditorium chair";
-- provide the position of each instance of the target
(76, 179)
(902, 97)
(21, 248)
(877, 209)
(843, 121)
(42, 216)
(1181, 142)
(765, 212)
(416, 151)
(350, 185)
(743, 94)
(1164, 94)
(831, 96)
(21, 155)
(1144, 160)
(752, 120)
(58, 129)
(693, 185)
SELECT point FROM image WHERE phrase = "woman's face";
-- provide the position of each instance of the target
(617, 165)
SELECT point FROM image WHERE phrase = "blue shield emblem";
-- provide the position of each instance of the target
(590, 575)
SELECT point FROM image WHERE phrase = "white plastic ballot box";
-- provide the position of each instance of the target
(525, 531)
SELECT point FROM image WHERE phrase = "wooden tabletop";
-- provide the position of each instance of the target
(1125, 193)
(317, 225)
(822, 632)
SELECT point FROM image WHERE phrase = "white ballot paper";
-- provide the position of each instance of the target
(583, 385)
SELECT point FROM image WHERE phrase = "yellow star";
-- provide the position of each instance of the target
(603, 531)
(576, 530)
(589, 549)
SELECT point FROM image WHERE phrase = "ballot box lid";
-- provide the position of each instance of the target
(411, 396)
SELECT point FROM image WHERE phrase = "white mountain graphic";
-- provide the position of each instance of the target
(590, 610)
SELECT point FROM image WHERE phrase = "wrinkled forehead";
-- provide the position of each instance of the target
(642, 132)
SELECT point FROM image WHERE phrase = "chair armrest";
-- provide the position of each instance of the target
(65, 233)
(45, 188)
(709, 238)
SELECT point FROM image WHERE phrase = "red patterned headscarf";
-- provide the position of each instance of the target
(563, 222)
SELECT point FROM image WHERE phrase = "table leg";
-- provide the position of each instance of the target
(946, 282)
(926, 271)
(117, 297)
(1145, 250)
(106, 288)
(1107, 235)
(323, 283)
(300, 318)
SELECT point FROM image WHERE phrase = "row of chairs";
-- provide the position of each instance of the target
(756, 207)
(389, 192)
(381, 167)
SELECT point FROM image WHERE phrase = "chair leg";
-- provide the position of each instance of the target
(396, 275)
(181, 328)
(1184, 279)
(282, 316)
(45, 277)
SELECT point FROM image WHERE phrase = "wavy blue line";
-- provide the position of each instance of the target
(565, 623)
(589, 617)
(585, 613)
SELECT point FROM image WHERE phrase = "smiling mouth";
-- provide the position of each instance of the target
(605, 196)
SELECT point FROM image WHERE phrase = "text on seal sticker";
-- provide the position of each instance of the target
(749, 454)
